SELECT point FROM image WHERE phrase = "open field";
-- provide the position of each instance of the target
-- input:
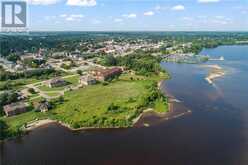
(102, 106)
(161, 106)
(85, 107)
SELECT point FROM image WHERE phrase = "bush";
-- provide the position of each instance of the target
(80, 72)
(105, 83)
(3, 130)
(31, 90)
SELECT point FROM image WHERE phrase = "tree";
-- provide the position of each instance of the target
(80, 72)
(61, 99)
(13, 57)
(110, 60)
(31, 90)
(3, 130)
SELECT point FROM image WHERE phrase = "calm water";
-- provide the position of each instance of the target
(216, 133)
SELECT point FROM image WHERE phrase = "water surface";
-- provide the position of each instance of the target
(215, 133)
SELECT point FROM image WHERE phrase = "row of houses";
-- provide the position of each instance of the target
(90, 79)
(21, 107)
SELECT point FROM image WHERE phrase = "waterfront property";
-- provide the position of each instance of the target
(15, 109)
(42, 106)
(105, 74)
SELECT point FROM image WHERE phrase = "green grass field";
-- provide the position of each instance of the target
(161, 106)
(90, 106)
(73, 80)
(93, 101)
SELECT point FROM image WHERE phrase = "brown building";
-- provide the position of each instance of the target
(56, 82)
(105, 74)
(15, 109)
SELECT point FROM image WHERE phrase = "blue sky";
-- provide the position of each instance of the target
(135, 15)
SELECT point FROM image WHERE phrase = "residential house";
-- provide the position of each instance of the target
(42, 106)
(87, 80)
(15, 109)
(56, 82)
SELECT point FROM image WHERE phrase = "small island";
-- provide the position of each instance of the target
(215, 72)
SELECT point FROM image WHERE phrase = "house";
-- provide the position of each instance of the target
(87, 80)
(105, 74)
(27, 56)
(42, 106)
(15, 109)
(56, 82)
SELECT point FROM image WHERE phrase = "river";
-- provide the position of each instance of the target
(215, 133)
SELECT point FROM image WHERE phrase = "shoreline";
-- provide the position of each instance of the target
(40, 123)
(170, 114)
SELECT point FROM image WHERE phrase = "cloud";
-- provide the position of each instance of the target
(219, 17)
(43, 2)
(208, 1)
(118, 20)
(75, 17)
(187, 18)
(71, 17)
(149, 13)
(215, 20)
(63, 15)
(83, 3)
(244, 12)
(48, 18)
(178, 8)
(96, 21)
(131, 15)
(158, 7)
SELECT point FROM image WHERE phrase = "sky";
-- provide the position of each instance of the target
(138, 15)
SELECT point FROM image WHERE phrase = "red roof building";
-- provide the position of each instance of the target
(105, 74)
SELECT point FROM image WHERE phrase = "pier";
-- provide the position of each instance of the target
(217, 59)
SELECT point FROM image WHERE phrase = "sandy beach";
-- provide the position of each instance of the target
(215, 72)
(38, 123)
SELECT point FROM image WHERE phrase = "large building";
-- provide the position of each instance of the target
(105, 74)
(15, 109)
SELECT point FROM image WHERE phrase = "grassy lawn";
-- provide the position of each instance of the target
(112, 105)
(53, 94)
(86, 105)
(93, 101)
(19, 84)
(161, 106)
(73, 80)
(127, 76)
(14, 123)
(47, 89)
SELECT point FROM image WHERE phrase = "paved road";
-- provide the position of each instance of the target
(44, 94)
